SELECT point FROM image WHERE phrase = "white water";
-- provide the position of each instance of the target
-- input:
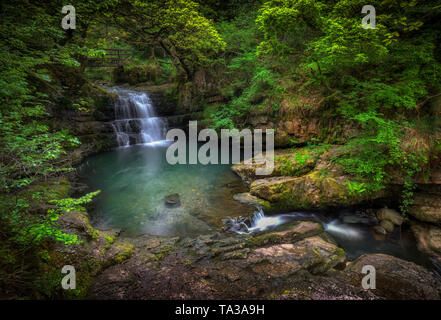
(342, 229)
(261, 222)
(135, 119)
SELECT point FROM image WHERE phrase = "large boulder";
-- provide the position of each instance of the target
(305, 178)
(428, 239)
(427, 207)
(397, 278)
(311, 191)
(283, 260)
(390, 215)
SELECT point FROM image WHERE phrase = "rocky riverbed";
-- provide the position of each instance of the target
(294, 261)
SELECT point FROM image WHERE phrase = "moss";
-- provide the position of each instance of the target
(160, 253)
(262, 240)
(41, 192)
(125, 251)
(315, 190)
(295, 164)
(109, 241)
(48, 284)
(322, 264)
(192, 252)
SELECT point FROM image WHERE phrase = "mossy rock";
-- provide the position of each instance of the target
(288, 233)
(119, 252)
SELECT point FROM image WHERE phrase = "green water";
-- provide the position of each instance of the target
(134, 181)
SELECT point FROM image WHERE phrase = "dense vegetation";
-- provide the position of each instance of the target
(380, 81)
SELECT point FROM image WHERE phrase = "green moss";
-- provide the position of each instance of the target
(125, 251)
(262, 240)
(160, 253)
(109, 241)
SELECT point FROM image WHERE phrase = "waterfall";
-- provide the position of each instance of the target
(135, 119)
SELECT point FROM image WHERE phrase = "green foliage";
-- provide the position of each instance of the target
(356, 188)
(378, 77)
(251, 84)
(286, 25)
(177, 27)
(34, 52)
(302, 161)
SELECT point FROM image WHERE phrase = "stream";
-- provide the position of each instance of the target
(135, 179)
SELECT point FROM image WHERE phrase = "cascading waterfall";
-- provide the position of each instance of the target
(135, 119)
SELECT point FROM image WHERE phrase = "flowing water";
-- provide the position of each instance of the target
(135, 181)
(135, 119)
(353, 231)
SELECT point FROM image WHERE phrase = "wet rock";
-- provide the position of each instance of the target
(236, 224)
(289, 233)
(134, 126)
(391, 215)
(359, 218)
(119, 252)
(249, 198)
(387, 225)
(283, 260)
(428, 239)
(427, 208)
(380, 230)
(335, 285)
(397, 278)
(172, 201)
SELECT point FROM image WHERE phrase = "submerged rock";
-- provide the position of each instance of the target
(172, 200)
(359, 218)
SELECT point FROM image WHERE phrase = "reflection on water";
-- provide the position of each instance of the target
(135, 180)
